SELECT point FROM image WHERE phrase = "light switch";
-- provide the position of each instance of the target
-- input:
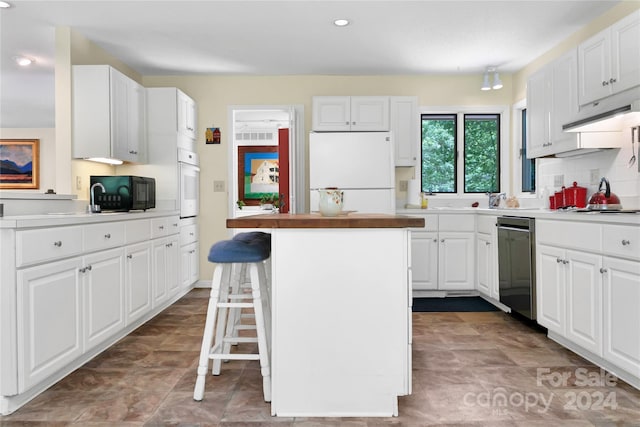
(78, 183)
(218, 186)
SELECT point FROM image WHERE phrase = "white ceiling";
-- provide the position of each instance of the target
(264, 37)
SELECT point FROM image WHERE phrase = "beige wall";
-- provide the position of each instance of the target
(214, 94)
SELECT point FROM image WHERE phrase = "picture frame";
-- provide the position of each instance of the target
(258, 173)
(19, 164)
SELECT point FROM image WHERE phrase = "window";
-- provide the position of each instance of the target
(528, 166)
(481, 147)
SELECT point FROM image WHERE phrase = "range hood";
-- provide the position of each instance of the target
(612, 114)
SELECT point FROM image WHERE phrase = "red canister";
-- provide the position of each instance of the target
(575, 196)
(559, 196)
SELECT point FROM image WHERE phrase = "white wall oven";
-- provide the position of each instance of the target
(189, 183)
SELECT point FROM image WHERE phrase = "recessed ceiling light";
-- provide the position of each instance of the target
(23, 61)
(4, 5)
(341, 22)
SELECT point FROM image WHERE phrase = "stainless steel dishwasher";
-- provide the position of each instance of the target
(517, 264)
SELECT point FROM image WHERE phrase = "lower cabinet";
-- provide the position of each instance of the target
(189, 264)
(442, 259)
(485, 259)
(165, 268)
(138, 280)
(49, 319)
(622, 313)
(103, 287)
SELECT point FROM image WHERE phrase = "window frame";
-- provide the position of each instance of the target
(505, 143)
(516, 156)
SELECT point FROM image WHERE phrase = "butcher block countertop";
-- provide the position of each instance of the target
(315, 220)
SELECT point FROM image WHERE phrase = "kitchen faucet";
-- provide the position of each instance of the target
(93, 208)
(494, 199)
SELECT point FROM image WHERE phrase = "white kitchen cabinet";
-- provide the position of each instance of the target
(189, 253)
(609, 62)
(186, 115)
(621, 313)
(109, 112)
(444, 260)
(165, 268)
(552, 102)
(550, 288)
(350, 113)
(487, 257)
(405, 126)
(103, 287)
(138, 280)
(49, 319)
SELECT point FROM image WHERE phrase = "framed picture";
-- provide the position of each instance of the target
(19, 164)
(258, 173)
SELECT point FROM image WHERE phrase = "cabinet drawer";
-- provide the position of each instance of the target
(137, 231)
(578, 235)
(621, 240)
(486, 224)
(188, 234)
(103, 236)
(455, 222)
(47, 244)
(159, 227)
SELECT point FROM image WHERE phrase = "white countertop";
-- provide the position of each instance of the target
(538, 213)
(55, 219)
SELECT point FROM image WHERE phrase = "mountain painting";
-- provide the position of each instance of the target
(19, 163)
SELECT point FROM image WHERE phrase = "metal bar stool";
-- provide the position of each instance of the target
(246, 252)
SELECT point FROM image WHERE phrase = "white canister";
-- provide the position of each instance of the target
(331, 200)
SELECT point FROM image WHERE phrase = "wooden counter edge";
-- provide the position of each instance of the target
(318, 221)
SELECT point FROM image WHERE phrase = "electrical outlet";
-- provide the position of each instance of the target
(403, 185)
(595, 176)
(558, 180)
(218, 186)
(78, 183)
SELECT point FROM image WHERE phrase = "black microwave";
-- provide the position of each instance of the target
(123, 192)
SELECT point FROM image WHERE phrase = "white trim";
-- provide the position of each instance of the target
(516, 168)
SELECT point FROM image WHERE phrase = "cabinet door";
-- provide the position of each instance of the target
(594, 68)
(189, 270)
(584, 300)
(621, 314)
(564, 100)
(405, 125)
(331, 113)
(137, 139)
(103, 289)
(186, 115)
(456, 261)
(138, 280)
(119, 115)
(550, 288)
(484, 266)
(625, 46)
(172, 272)
(538, 114)
(49, 319)
(159, 279)
(369, 113)
(424, 260)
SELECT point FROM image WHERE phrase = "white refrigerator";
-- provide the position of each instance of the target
(359, 163)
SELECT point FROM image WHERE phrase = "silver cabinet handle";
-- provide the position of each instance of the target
(625, 242)
(346, 123)
(558, 260)
(442, 240)
(129, 256)
(435, 240)
(190, 234)
(175, 225)
(604, 83)
(603, 270)
(89, 267)
(82, 270)
(58, 243)
(161, 227)
(107, 236)
(612, 80)
(487, 243)
(565, 261)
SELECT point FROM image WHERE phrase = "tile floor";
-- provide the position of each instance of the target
(478, 369)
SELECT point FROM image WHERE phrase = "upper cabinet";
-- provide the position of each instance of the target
(109, 112)
(404, 126)
(551, 102)
(172, 111)
(609, 62)
(350, 113)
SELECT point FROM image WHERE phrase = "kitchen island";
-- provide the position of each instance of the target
(341, 307)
